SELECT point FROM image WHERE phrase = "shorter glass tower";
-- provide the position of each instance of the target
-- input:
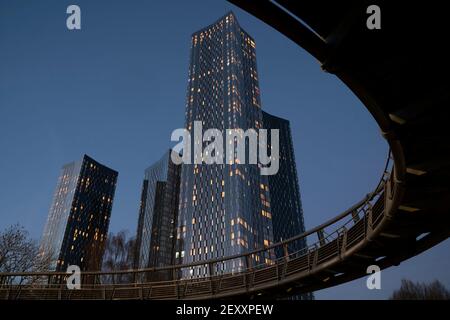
(78, 220)
(287, 212)
(158, 215)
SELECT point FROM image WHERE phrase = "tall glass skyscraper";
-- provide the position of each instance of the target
(224, 209)
(78, 220)
(158, 215)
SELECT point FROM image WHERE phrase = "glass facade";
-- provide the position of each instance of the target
(158, 214)
(224, 209)
(79, 216)
(287, 212)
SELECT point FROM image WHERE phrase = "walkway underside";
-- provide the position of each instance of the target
(395, 73)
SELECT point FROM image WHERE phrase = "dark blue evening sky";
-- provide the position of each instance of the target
(116, 89)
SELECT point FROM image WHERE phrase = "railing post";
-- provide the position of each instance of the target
(389, 193)
(211, 268)
(286, 252)
(315, 255)
(248, 262)
(308, 255)
(212, 273)
(391, 184)
(320, 235)
(96, 280)
(369, 222)
(249, 270)
(285, 262)
(174, 274)
(343, 247)
(355, 216)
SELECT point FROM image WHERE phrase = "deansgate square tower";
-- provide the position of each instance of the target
(78, 220)
(224, 208)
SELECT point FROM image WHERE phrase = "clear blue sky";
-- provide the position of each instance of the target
(116, 89)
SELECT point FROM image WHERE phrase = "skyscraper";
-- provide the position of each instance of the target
(79, 216)
(158, 214)
(224, 208)
(287, 212)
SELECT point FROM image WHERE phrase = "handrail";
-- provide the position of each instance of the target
(369, 197)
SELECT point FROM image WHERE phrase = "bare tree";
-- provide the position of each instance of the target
(19, 253)
(118, 256)
(421, 291)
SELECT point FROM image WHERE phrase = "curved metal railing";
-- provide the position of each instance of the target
(330, 242)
